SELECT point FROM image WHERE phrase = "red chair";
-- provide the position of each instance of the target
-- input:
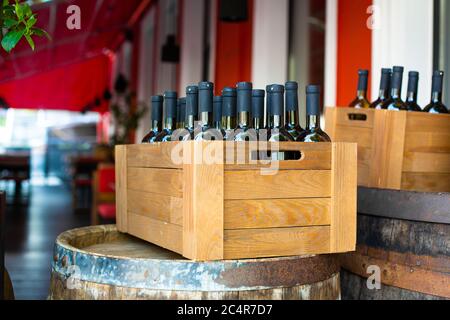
(104, 194)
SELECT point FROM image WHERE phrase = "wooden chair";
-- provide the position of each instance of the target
(103, 194)
(6, 289)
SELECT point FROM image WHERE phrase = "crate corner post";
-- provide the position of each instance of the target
(344, 193)
(203, 198)
(121, 188)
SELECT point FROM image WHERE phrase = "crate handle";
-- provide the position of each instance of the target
(279, 155)
(357, 117)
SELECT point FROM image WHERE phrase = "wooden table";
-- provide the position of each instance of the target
(15, 166)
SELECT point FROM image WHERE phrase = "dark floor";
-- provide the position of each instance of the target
(31, 230)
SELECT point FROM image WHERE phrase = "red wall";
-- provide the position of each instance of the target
(233, 51)
(354, 48)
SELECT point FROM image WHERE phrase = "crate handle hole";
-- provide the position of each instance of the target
(287, 155)
(357, 117)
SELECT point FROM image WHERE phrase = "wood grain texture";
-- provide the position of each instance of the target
(438, 142)
(427, 122)
(353, 117)
(426, 162)
(158, 155)
(121, 188)
(363, 136)
(159, 181)
(426, 182)
(283, 184)
(166, 235)
(314, 156)
(343, 200)
(203, 203)
(270, 213)
(256, 243)
(156, 206)
(330, 122)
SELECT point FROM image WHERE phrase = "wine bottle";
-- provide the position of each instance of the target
(411, 94)
(267, 124)
(205, 104)
(436, 105)
(229, 112)
(170, 117)
(361, 94)
(258, 111)
(313, 132)
(277, 131)
(181, 113)
(385, 87)
(157, 102)
(292, 125)
(244, 105)
(395, 102)
(191, 113)
(217, 114)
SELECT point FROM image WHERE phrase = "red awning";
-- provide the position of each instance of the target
(73, 69)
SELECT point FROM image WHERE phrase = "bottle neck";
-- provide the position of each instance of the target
(156, 126)
(436, 97)
(228, 123)
(169, 124)
(258, 123)
(244, 119)
(276, 121)
(384, 94)
(395, 93)
(190, 122)
(313, 122)
(411, 96)
(292, 118)
(361, 94)
(206, 119)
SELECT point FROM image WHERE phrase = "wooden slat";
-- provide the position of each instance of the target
(156, 206)
(426, 162)
(330, 122)
(241, 214)
(254, 243)
(352, 117)
(121, 188)
(426, 182)
(203, 203)
(163, 234)
(362, 136)
(160, 181)
(427, 122)
(363, 174)
(158, 155)
(343, 201)
(427, 142)
(314, 156)
(388, 142)
(283, 184)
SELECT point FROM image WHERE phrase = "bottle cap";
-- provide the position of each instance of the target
(217, 108)
(157, 103)
(258, 103)
(205, 85)
(276, 98)
(229, 92)
(291, 96)
(191, 89)
(205, 96)
(413, 81)
(170, 99)
(291, 85)
(244, 96)
(363, 76)
(313, 100)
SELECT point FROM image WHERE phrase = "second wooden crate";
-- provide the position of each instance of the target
(214, 211)
(396, 150)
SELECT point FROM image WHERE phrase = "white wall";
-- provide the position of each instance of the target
(330, 53)
(404, 36)
(270, 42)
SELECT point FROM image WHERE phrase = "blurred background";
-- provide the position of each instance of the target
(64, 105)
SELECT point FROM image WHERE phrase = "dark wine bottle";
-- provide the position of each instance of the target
(229, 112)
(244, 105)
(268, 107)
(313, 132)
(181, 113)
(205, 104)
(361, 101)
(258, 112)
(170, 117)
(436, 105)
(277, 131)
(385, 87)
(157, 103)
(411, 94)
(217, 114)
(190, 113)
(395, 102)
(292, 125)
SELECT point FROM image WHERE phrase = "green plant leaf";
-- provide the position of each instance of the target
(30, 41)
(31, 21)
(9, 23)
(11, 39)
(41, 33)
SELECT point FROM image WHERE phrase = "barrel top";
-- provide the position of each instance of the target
(102, 254)
(405, 205)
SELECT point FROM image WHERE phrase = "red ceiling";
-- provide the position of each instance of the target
(102, 26)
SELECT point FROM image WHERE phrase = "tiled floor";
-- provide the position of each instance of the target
(31, 230)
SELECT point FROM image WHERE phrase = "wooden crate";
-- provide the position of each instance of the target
(396, 150)
(232, 211)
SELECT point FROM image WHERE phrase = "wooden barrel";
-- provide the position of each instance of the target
(100, 263)
(405, 234)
